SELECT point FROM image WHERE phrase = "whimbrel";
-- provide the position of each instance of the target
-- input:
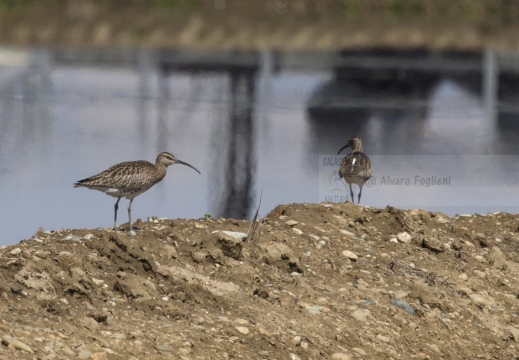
(356, 166)
(130, 179)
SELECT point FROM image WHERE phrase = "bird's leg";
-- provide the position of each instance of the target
(351, 193)
(130, 214)
(360, 193)
(116, 206)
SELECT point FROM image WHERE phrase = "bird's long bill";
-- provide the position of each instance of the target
(185, 163)
(342, 148)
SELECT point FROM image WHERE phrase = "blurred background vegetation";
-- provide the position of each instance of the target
(252, 24)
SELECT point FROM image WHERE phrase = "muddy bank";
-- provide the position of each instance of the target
(317, 281)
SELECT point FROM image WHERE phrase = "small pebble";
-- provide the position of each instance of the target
(403, 305)
(240, 322)
(465, 291)
(435, 348)
(296, 340)
(480, 273)
(346, 232)
(480, 300)
(234, 234)
(297, 231)
(97, 281)
(292, 222)
(393, 239)
(15, 251)
(263, 331)
(361, 314)
(8, 340)
(322, 301)
(463, 276)
(83, 354)
(441, 219)
(242, 330)
(350, 255)
(314, 310)
(404, 237)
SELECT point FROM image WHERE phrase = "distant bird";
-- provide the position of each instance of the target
(130, 179)
(356, 166)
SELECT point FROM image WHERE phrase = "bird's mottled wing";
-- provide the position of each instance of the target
(131, 174)
(356, 164)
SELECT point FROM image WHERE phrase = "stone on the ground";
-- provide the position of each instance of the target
(350, 255)
(361, 314)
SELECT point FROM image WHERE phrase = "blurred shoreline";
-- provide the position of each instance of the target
(310, 25)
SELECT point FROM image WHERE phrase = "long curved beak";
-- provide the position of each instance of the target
(185, 163)
(342, 148)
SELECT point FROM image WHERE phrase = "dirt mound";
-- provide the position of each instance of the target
(317, 281)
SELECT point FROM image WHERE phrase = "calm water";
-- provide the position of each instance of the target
(266, 123)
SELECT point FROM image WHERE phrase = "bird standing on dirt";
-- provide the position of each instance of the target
(130, 179)
(356, 166)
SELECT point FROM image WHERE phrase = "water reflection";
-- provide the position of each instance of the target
(392, 93)
(250, 121)
(234, 157)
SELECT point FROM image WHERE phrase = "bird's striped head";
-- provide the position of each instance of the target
(167, 159)
(355, 143)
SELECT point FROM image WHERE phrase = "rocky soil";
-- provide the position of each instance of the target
(315, 281)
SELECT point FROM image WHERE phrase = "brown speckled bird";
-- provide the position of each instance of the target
(356, 166)
(130, 179)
